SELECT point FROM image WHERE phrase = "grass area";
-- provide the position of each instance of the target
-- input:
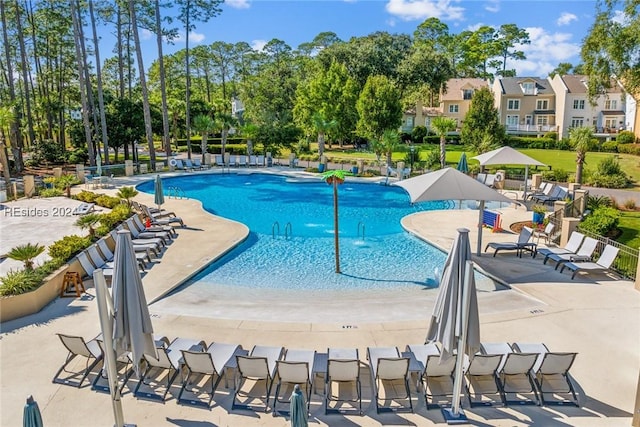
(630, 226)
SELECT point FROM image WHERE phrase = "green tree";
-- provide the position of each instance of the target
(6, 120)
(190, 12)
(127, 193)
(204, 125)
(562, 68)
(379, 108)
(26, 253)
(482, 120)
(442, 126)
(612, 47)
(508, 36)
(581, 139)
(322, 126)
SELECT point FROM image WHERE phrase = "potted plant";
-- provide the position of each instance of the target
(539, 212)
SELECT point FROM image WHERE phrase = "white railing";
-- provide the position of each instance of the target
(532, 128)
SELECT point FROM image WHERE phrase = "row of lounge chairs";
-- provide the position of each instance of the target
(576, 256)
(548, 193)
(488, 179)
(500, 374)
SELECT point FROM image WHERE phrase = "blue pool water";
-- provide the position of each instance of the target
(291, 243)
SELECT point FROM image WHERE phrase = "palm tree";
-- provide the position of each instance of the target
(580, 139)
(127, 193)
(89, 221)
(389, 142)
(224, 122)
(335, 177)
(7, 118)
(26, 253)
(204, 125)
(442, 126)
(322, 126)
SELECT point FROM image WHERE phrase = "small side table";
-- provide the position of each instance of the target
(71, 285)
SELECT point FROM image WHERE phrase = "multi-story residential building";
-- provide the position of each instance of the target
(526, 105)
(418, 116)
(454, 103)
(632, 114)
(456, 99)
(574, 109)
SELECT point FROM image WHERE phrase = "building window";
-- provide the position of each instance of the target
(410, 122)
(513, 104)
(609, 123)
(453, 108)
(467, 93)
(512, 120)
(529, 88)
(610, 104)
(542, 120)
(542, 104)
(577, 122)
(528, 120)
(578, 104)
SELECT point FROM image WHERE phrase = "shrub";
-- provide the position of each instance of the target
(531, 142)
(626, 137)
(107, 201)
(609, 147)
(602, 221)
(630, 204)
(86, 196)
(596, 202)
(551, 135)
(629, 149)
(17, 282)
(557, 175)
(78, 156)
(109, 220)
(50, 192)
(609, 174)
(68, 246)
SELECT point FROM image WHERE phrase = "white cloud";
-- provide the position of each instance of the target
(619, 17)
(545, 52)
(475, 27)
(194, 37)
(238, 4)
(492, 6)
(566, 18)
(146, 34)
(258, 45)
(409, 10)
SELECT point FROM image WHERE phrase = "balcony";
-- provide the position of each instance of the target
(530, 129)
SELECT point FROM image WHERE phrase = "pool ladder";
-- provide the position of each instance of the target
(360, 226)
(288, 230)
(176, 193)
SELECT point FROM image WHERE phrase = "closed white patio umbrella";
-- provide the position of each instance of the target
(450, 184)
(455, 323)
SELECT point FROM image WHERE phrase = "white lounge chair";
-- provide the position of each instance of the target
(168, 362)
(523, 243)
(258, 368)
(241, 161)
(89, 267)
(261, 161)
(137, 233)
(546, 233)
(572, 246)
(154, 228)
(482, 380)
(436, 377)
(295, 368)
(585, 253)
(84, 208)
(551, 374)
(514, 374)
(603, 264)
(77, 346)
(389, 378)
(211, 364)
(143, 256)
(343, 369)
(490, 180)
(218, 160)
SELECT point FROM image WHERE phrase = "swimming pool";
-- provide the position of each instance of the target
(290, 246)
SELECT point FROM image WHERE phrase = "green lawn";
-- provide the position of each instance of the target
(630, 226)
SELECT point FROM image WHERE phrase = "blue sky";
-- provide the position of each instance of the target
(556, 28)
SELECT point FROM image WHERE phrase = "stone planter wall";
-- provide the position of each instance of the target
(15, 306)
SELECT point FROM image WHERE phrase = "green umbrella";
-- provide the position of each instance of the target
(298, 408)
(462, 164)
(31, 414)
(158, 197)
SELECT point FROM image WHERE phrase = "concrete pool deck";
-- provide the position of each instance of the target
(599, 319)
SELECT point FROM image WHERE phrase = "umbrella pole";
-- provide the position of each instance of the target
(455, 415)
(481, 211)
(526, 176)
(106, 325)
